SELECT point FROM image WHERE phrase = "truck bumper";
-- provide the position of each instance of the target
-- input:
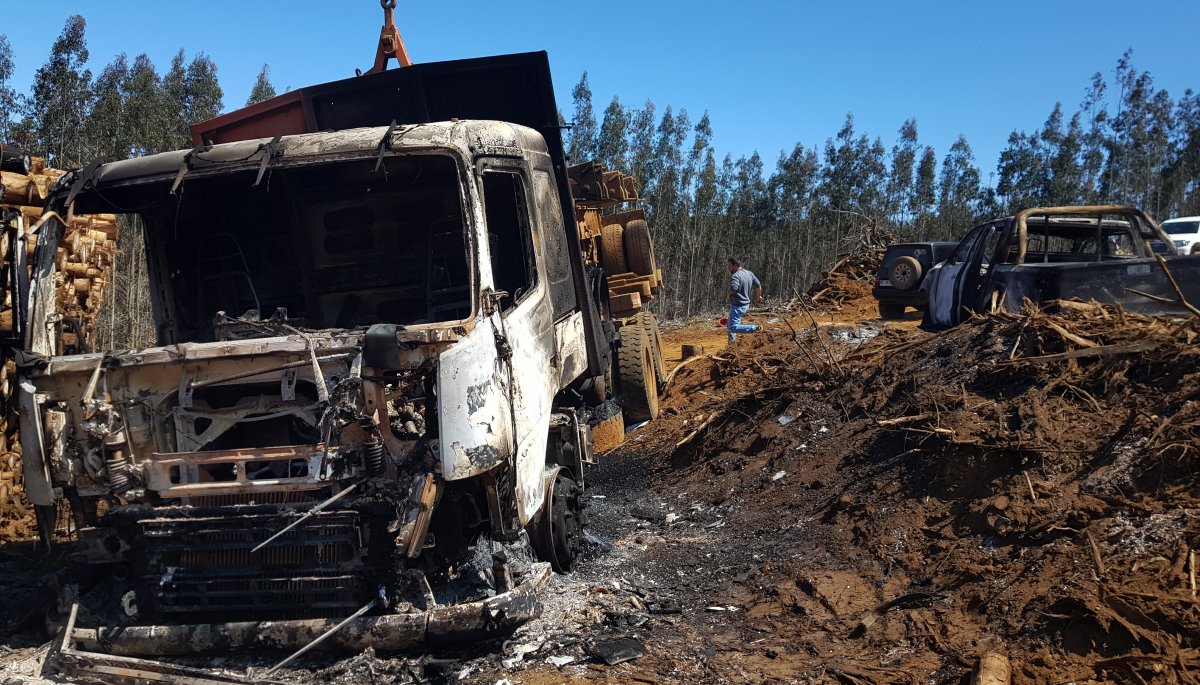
(481, 619)
(918, 299)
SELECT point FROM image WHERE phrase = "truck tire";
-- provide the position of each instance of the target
(557, 533)
(891, 311)
(612, 250)
(905, 273)
(639, 251)
(639, 387)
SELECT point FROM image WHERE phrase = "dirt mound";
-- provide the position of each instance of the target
(847, 284)
(1024, 485)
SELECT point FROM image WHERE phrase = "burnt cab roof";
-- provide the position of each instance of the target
(467, 137)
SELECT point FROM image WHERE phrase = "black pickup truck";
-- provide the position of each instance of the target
(1092, 253)
(898, 282)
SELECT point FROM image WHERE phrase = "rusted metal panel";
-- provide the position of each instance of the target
(285, 115)
(386, 633)
(66, 659)
(169, 475)
(429, 492)
(474, 408)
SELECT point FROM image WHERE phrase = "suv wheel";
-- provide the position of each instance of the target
(905, 273)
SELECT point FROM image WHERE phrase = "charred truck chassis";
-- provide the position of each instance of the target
(1047, 254)
(374, 357)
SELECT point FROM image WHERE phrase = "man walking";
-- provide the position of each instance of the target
(741, 282)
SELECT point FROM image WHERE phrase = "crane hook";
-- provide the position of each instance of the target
(390, 44)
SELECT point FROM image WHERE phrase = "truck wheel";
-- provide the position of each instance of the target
(639, 388)
(612, 250)
(557, 535)
(891, 310)
(639, 251)
(905, 273)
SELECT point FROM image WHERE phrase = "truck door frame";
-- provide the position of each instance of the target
(978, 276)
(526, 325)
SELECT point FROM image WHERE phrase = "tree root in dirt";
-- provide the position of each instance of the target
(1032, 478)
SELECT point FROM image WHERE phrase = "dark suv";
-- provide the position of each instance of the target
(898, 283)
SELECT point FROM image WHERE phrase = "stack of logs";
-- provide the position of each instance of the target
(85, 253)
(84, 259)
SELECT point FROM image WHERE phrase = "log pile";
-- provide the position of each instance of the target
(85, 253)
(84, 259)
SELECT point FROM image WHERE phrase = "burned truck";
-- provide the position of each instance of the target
(379, 346)
(1043, 255)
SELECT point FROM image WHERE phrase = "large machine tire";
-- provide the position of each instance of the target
(612, 249)
(639, 251)
(639, 386)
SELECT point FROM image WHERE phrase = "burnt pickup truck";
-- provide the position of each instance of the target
(898, 283)
(1091, 253)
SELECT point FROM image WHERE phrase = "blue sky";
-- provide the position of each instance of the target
(770, 74)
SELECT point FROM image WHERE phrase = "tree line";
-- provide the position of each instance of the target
(1126, 142)
(71, 116)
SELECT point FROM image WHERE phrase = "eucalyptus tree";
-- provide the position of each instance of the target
(262, 89)
(958, 191)
(613, 142)
(9, 101)
(900, 178)
(583, 134)
(61, 97)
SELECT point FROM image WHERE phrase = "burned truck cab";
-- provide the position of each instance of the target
(362, 341)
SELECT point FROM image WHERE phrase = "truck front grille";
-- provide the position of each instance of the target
(203, 568)
(208, 597)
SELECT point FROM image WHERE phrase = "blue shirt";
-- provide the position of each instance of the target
(741, 282)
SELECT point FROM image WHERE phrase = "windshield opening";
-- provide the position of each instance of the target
(335, 245)
(1078, 239)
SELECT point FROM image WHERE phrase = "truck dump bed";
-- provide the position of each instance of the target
(512, 88)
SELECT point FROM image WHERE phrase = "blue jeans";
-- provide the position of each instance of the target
(736, 312)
